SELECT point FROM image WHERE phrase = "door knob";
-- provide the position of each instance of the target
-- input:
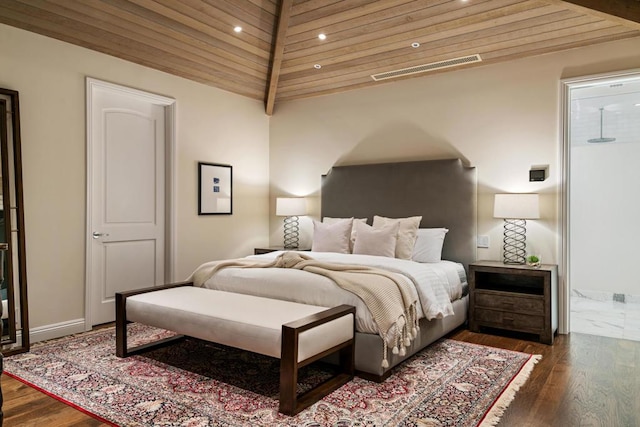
(97, 235)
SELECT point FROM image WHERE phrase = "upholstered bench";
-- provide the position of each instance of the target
(297, 334)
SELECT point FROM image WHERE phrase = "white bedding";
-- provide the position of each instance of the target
(436, 284)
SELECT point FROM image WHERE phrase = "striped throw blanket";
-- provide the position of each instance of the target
(387, 295)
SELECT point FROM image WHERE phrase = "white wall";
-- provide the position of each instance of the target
(212, 125)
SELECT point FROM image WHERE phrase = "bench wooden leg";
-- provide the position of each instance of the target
(290, 402)
(289, 372)
(121, 326)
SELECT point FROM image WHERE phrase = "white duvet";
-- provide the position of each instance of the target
(435, 284)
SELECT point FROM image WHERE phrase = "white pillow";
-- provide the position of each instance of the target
(429, 243)
(330, 220)
(332, 237)
(375, 241)
(408, 227)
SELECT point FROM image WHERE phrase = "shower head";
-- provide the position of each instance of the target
(601, 139)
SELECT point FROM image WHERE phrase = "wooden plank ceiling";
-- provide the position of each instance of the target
(278, 56)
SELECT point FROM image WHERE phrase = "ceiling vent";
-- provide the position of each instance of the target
(427, 67)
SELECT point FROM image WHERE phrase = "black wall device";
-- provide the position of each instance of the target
(538, 173)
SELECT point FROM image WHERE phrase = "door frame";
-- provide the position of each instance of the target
(169, 105)
(565, 161)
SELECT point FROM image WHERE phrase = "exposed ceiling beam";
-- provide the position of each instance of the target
(622, 12)
(277, 54)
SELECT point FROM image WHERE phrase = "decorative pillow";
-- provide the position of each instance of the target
(332, 237)
(407, 230)
(330, 220)
(429, 243)
(375, 241)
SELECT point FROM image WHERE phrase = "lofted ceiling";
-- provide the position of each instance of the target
(278, 56)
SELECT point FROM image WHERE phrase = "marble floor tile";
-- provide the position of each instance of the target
(632, 320)
(633, 309)
(631, 334)
(588, 305)
(605, 318)
(592, 295)
(633, 299)
(603, 325)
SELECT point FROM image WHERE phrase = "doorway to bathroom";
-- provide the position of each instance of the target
(602, 146)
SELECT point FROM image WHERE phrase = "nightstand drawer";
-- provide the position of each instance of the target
(510, 303)
(502, 319)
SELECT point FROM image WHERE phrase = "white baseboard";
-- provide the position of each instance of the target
(56, 330)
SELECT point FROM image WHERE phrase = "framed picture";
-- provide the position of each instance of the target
(214, 189)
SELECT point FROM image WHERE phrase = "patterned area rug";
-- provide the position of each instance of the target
(196, 384)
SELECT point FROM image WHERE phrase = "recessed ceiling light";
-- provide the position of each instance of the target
(637, 105)
(237, 29)
(322, 36)
(415, 45)
(317, 66)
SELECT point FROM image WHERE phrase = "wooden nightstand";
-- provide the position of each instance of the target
(514, 297)
(260, 251)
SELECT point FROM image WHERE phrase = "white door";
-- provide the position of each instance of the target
(126, 196)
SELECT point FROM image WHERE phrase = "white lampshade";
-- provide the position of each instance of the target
(516, 206)
(291, 206)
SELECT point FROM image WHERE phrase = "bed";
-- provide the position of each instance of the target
(443, 193)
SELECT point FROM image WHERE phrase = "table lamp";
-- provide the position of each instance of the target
(515, 209)
(291, 208)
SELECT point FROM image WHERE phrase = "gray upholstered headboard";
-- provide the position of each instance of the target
(444, 192)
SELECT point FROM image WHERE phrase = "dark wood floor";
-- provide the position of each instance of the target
(582, 380)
